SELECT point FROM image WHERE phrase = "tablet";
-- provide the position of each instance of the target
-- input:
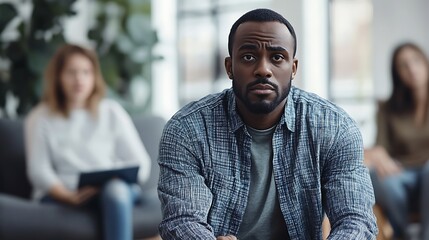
(99, 178)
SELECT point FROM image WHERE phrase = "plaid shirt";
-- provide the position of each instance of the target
(317, 165)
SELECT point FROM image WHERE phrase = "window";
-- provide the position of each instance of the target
(351, 85)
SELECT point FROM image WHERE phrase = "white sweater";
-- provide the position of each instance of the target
(60, 148)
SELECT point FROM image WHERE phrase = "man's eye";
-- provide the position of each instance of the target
(278, 57)
(248, 58)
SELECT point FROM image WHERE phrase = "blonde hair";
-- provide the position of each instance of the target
(54, 95)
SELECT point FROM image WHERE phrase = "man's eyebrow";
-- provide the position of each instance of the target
(276, 48)
(248, 47)
(269, 48)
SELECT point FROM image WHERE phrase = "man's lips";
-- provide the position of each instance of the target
(261, 89)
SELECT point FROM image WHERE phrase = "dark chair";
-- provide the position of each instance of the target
(22, 218)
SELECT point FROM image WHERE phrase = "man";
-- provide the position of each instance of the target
(263, 160)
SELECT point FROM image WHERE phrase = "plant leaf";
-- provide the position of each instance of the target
(7, 13)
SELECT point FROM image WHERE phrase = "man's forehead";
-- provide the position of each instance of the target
(273, 33)
(266, 26)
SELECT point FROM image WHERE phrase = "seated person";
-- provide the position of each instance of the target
(398, 161)
(264, 159)
(73, 130)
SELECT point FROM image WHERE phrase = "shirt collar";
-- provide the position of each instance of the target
(288, 117)
(236, 122)
(234, 119)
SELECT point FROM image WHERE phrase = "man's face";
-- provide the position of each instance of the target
(261, 66)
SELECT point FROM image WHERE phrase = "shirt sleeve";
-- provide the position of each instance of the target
(347, 189)
(185, 199)
(39, 163)
(128, 145)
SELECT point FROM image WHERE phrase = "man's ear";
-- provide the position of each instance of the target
(228, 67)
(294, 67)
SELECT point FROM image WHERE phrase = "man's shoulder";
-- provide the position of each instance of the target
(314, 102)
(195, 117)
(301, 96)
(311, 105)
(203, 106)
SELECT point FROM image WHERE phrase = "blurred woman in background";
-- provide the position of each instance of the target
(73, 130)
(399, 160)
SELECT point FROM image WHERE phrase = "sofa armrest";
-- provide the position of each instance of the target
(13, 177)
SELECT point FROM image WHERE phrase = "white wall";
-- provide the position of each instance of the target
(396, 21)
(292, 11)
(165, 101)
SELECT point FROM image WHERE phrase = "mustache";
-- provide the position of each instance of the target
(262, 81)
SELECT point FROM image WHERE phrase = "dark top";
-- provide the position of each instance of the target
(402, 138)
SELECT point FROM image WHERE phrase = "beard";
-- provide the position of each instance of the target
(262, 106)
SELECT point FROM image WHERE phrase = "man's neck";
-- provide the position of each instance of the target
(261, 121)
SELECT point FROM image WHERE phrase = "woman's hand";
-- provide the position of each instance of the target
(75, 198)
(378, 159)
(83, 195)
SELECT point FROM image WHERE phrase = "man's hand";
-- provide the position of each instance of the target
(229, 237)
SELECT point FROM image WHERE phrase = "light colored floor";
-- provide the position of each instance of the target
(153, 238)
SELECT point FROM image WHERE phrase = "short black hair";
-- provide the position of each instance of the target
(260, 15)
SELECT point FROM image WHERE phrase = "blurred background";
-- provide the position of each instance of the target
(158, 55)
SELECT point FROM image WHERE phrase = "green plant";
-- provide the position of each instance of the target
(26, 55)
(124, 40)
(122, 35)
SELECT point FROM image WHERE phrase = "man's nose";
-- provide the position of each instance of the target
(263, 69)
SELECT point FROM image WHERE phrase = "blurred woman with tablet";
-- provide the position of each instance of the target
(73, 130)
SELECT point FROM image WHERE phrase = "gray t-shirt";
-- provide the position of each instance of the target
(263, 218)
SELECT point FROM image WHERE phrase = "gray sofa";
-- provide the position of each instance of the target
(21, 218)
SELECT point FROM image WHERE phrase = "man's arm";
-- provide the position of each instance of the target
(347, 189)
(185, 198)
